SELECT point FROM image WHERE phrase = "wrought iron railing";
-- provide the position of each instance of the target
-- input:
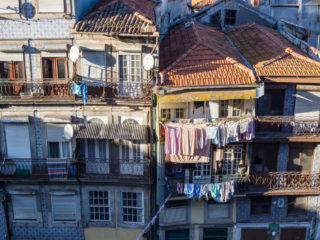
(117, 89)
(114, 168)
(290, 125)
(286, 180)
(35, 89)
(81, 168)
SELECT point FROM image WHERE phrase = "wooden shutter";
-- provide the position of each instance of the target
(51, 6)
(24, 207)
(63, 207)
(94, 66)
(18, 141)
(9, 6)
(55, 132)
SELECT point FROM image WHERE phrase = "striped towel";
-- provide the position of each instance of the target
(57, 168)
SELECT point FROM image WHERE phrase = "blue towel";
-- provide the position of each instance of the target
(81, 89)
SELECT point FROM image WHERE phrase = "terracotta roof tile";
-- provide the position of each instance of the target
(200, 4)
(271, 54)
(119, 17)
(197, 55)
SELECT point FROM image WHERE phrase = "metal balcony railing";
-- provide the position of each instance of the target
(132, 89)
(288, 125)
(114, 168)
(36, 89)
(72, 169)
(286, 181)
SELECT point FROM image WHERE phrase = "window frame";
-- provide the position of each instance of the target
(108, 206)
(128, 55)
(229, 107)
(33, 195)
(228, 162)
(60, 148)
(165, 112)
(179, 111)
(53, 209)
(12, 72)
(55, 71)
(258, 200)
(141, 208)
(227, 19)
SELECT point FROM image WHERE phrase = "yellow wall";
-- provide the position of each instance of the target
(104, 233)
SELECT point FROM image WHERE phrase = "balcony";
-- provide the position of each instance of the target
(55, 89)
(37, 169)
(118, 89)
(115, 170)
(287, 126)
(69, 169)
(278, 183)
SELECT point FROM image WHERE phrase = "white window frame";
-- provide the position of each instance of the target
(53, 208)
(165, 112)
(141, 208)
(231, 158)
(229, 107)
(99, 206)
(128, 56)
(177, 111)
(13, 195)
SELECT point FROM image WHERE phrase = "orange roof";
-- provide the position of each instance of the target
(198, 55)
(119, 16)
(271, 54)
(200, 4)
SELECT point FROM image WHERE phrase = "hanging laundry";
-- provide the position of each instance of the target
(188, 190)
(81, 90)
(180, 188)
(197, 191)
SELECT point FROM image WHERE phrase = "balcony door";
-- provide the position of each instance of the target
(97, 156)
(12, 75)
(54, 68)
(130, 75)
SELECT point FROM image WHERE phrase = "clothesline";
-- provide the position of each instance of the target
(220, 192)
(190, 143)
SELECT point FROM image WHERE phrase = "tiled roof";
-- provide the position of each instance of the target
(200, 4)
(199, 55)
(271, 54)
(119, 17)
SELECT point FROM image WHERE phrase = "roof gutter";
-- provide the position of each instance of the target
(209, 87)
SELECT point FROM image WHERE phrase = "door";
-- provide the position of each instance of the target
(293, 234)
(215, 234)
(254, 234)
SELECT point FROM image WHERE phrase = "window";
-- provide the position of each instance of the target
(230, 108)
(63, 207)
(271, 103)
(260, 205)
(11, 70)
(179, 113)
(59, 150)
(202, 170)
(51, 6)
(300, 156)
(131, 150)
(297, 206)
(165, 114)
(265, 157)
(232, 158)
(24, 207)
(99, 206)
(94, 66)
(97, 149)
(54, 68)
(9, 6)
(132, 207)
(129, 68)
(230, 17)
(223, 108)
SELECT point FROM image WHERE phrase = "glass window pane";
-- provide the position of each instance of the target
(53, 149)
(4, 70)
(66, 150)
(61, 68)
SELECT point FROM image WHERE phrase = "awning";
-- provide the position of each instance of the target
(112, 131)
(207, 96)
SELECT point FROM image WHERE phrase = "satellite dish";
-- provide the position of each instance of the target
(68, 131)
(148, 62)
(74, 53)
